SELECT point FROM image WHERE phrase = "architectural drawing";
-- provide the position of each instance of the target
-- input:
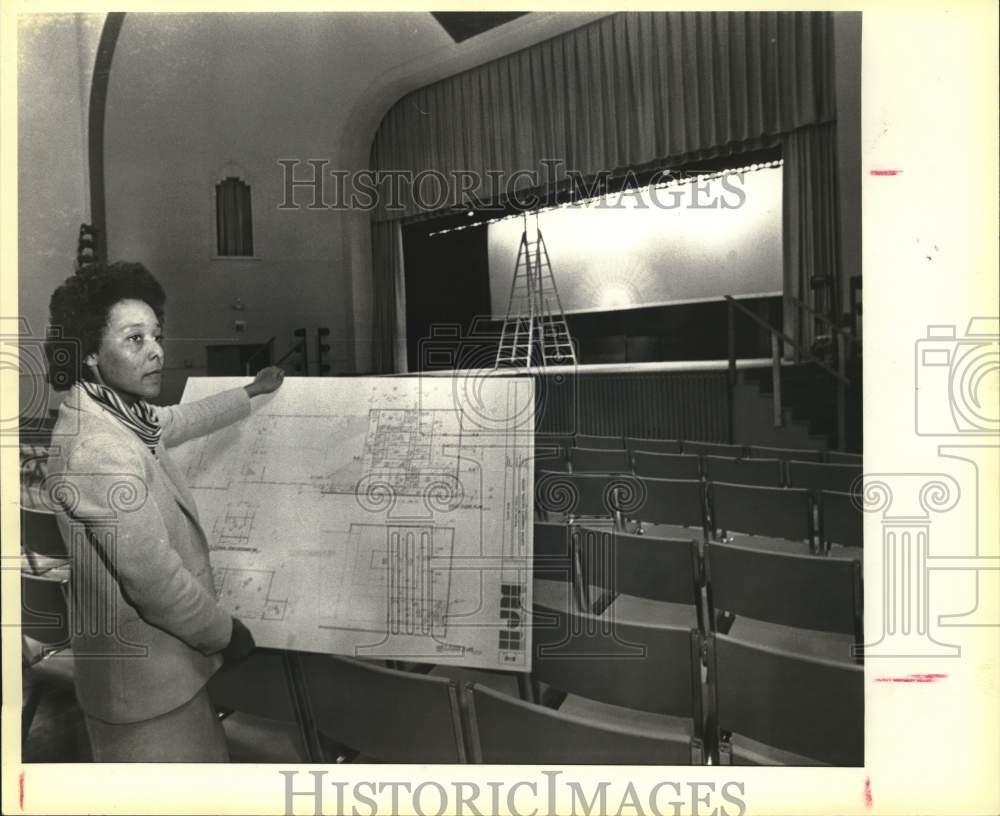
(247, 593)
(374, 517)
(232, 530)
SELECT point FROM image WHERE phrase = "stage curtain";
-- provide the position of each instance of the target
(810, 228)
(629, 90)
(624, 91)
(389, 355)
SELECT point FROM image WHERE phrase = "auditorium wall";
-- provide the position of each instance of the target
(195, 98)
(55, 58)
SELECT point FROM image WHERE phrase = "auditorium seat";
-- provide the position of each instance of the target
(559, 495)
(384, 714)
(671, 508)
(46, 656)
(639, 578)
(599, 460)
(639, 443)
(772, 707)
(798, 593)
(761, 472)
(516, 685)
(259, 685)
(823, 476)
(607, 670)
(552, 452)
(551, 458)
(571, 496)
(713, 449)
(41, 541)
(34, 466)
(842, 458)
(785, 454)
(256, 700)
(605, 442)
(773, 516)
(45, 613)
(556, 573)
(666, 465)
(564, 441)
(841, 522)
(253, 739)
(552, 556)
(505, 730)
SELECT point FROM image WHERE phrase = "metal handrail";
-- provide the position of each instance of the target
(298, 347)
(777, 337)
(778, 333)
(293, 350)
(269, 345)
(822, 317)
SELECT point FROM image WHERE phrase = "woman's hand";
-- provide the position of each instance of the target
(268, 379)
(241, 643)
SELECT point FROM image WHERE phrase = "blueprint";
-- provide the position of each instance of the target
(382, 517)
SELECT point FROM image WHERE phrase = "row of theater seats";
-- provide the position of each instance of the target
(757, 550)
(601, 691)
(637, 443)
(752, 470)
(795, 519)
(625, 667)
(768, 620)
(609, 689)
(760, 472)
(609, 682)
(703, 584)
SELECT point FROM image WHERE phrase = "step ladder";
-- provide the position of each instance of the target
(535, 332)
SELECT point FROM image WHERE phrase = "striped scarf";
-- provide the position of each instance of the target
(141, 418)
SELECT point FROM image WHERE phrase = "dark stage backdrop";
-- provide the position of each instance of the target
(447, 284)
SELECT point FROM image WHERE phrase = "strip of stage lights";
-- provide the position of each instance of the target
(701, 178)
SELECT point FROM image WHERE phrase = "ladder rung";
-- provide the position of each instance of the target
(535, 328)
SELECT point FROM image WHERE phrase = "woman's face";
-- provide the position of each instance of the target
(130, 357)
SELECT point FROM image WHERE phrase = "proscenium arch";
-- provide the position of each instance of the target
(95, 127)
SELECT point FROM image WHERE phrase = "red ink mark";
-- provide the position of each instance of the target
(912, 678)
(20, 790)
(885, 172)
(868, 792)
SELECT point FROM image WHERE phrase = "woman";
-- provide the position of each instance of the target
(148, 631)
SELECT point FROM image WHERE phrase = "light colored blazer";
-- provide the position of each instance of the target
(145, 619)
